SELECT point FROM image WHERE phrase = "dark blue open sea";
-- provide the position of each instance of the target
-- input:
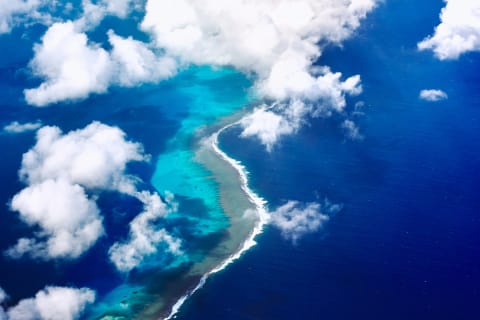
(405, 244)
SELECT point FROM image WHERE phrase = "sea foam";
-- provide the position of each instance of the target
(260, 209)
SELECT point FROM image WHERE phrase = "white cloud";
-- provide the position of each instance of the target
(278, 41)
(74, 68)
(458, 32)
(70, 222)
(433, 95)
(13, 12)
(51, 303)
(144, 237)
(267, 126)
(351, 130)
(295, 219)
(94, 157)
(60, 170)
(249, 35)
(135, 63)
(17, 127)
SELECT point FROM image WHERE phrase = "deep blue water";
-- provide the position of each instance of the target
(405, 245)
(151, 115)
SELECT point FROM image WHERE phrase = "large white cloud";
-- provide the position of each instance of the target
(144, 236)
(251, 35)
(51, 303)
(295, 219)
(74, 68)
(278, 41)
(16, 12)
(69, 221)
(63, 173)
(458, 32)
(94, 157)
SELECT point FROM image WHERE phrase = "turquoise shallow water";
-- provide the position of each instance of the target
(205, 99)
(212, 94)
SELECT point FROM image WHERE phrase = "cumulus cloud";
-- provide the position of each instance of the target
(458, 32)
(70, 222)
(74, 68)
(60, 171)
(252, 36)
(144, 236)
(351, 130)
(278, 41)
(13, 12)
(286, 116)
(267, 126)
(51, 303)
(295, 219)
(135, 63)
(433, 95)
(94, 157)
(16, 127)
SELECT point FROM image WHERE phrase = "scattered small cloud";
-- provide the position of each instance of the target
(433, 95)
(16, 127)
(351, 130)
(295, 219)
(69, 220)
(267, 126)
(458, 31)
(51, 303)
(14, 12)
(24, 12)
(94, 13)
(145, 237)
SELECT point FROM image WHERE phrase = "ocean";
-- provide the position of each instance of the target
(404, 246)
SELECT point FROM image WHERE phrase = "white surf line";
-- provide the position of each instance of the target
(255, 199)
